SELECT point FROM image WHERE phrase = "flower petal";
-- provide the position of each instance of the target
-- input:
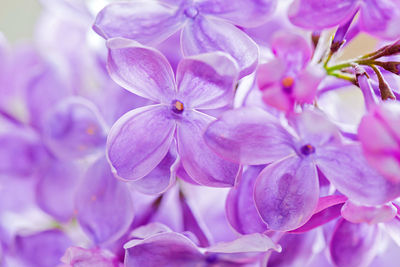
(103, 204)
(353, 244)
(205, 34)
(346, 168)
(161, 177)
(139, 140)
(241, 211)
(207, 81)
(366, 214)
(286, 193)
(244, 13)
(318, 15)
(142, 70)
(146, 21)
(166, 249)
(199, 161)
(248, 136)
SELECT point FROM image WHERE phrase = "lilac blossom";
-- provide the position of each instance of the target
(284, 197)
(375, 17)
(141, 138)
(206, 25)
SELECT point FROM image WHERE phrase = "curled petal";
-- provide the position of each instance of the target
(161, 177)
(198, 160)
(248, 136)
(205, 34)
(353, 244)
(240, 208)
(207, 81)
(142, 70)
(103, 204)
(286, 193)
(147, 21)
(346, 168)
(244, 13)
(74, 128)
(366, 214)
(166, 249)
(139, 140)
(318, 15)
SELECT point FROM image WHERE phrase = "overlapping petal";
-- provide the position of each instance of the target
(286, 193)
(204, 34)
(366, 214)
(139, 140)
(142, 70)
(103, 204)
(199, 161)
(318, 15)
(249, 136)
(240, 12)
(147, 21)
(346, 168)
(207, 81)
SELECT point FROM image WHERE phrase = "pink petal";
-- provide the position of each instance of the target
(366, 214)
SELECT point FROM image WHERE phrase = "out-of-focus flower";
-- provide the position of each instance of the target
(141, 138)
(81, 257)
(207, 25)
(289, 78)
(379, 134)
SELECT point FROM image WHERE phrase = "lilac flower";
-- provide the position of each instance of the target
(379, 135)
(289, 78)
(286, 192)
(158, 245)
(80, 257)
(376, 17)
(207, 25)
(141, 138)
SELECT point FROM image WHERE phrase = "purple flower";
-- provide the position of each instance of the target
(207, 25)
(80, 257)
(286, 192)
(289, 78)
(377, 17)
(141, 138)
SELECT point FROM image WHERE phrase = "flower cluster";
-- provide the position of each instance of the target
(202, 133)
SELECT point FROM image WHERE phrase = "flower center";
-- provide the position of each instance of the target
(177, 106)
(191, 12)
(307, 150)
(287, 84)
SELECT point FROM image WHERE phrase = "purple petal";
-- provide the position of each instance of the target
(166, 249)
(286, 193)
(353, 244)
(55, 190)
(248, 136)
(318, 15)
(139, 140)
(103, 204)
(161, 177)
(74, 128)
(208, 35)
(148, 22)
(244, 13)
(142, 70)
(202, 164)
(207, 81)
(41, 249)
(365, 214)
(346, 168)
(81, 257)
(381, 18)
(241, 211)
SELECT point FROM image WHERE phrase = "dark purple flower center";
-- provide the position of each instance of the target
(191, 12)
(177, 106)
(287, 84)
(307, 150)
